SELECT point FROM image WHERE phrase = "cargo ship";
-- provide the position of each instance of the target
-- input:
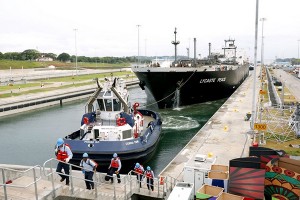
(191, 81)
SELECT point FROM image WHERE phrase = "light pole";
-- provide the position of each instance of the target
(75, 30)
(262, 44)
(253, 117)
(298, 49)
(138, 26)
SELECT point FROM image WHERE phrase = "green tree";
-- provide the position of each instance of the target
(64, 57)
(50, 55)
(1, 55)
(30, 54)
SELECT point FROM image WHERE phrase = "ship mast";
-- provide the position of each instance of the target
(175, 44)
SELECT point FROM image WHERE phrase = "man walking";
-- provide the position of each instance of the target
(149, 174)
(64, 155)
(89, 166)
(139, 171)
(115, 167)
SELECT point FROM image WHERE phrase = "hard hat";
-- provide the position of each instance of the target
(137, 165)
(59, 142)
(148, 168)
(115, 155)
(85, 155)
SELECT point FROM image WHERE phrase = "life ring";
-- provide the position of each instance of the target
(121, 121)
(86, 120)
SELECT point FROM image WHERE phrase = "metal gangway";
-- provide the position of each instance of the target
(43, 182)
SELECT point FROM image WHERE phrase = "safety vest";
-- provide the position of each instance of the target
(149, 174)
(138, 170)
(115, 163)
(62, 155)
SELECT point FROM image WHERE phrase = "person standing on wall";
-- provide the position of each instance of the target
(64, 155)
(115, 167)
(139, 171)
(149, 174)
(89, 166)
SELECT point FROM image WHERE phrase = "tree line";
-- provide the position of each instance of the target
(32, 55)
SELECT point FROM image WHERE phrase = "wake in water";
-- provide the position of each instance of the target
(179, 123)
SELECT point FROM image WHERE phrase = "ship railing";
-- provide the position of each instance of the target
(99, 179)
(7, 182)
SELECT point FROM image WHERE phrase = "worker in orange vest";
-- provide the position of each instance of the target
(139, 171)
(63, 154)
(115, 167)
(149, 174)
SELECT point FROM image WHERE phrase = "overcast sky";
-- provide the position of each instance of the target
(108, 28)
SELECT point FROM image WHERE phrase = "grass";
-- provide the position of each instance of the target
(16, 86)
(88, 77)
(17, 64)
(284, 145)
(33, 91)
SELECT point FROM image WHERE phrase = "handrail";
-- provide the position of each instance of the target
(156, 182)
(35, 179)
(96, 183)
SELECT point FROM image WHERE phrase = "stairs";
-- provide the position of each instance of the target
(22, 188)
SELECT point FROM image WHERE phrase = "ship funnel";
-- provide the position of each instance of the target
(195, 53)
(209, 50)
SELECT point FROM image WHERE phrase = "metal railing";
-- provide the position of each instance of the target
(128, 186)
(96, 182)
(161, 184)
(34, 182)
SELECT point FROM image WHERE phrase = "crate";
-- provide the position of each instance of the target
(208, 191)
(218, 179)
(222, 168)
(227, 196)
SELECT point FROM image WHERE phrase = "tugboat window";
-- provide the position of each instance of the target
(101, 104)
(107, 94)
(108, 104)
(117, 105)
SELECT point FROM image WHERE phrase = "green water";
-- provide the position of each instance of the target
(29, 138)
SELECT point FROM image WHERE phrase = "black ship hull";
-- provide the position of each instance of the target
(188, 85)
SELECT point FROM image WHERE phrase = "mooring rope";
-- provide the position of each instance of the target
(180, 86)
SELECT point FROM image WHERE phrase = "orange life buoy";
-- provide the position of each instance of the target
(86, 120)
(121, 121)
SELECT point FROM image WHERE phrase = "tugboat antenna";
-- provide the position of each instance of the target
(175, 44)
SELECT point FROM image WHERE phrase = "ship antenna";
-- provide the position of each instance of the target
(175, 44)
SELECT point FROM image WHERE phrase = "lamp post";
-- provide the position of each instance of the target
(138, 26)
(75, 30)
(253, 117)
(298, 49)
(262, 44)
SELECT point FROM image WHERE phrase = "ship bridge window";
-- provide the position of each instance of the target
(117, 105)
(101, 94)
(107, 94)
(101, 104)
(108, 104)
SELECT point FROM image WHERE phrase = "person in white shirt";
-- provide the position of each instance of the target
(89, 166)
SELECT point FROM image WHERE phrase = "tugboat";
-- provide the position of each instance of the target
(110, 126)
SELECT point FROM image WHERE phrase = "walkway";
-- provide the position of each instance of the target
(225, 135)
(290, 81)
(21, 185)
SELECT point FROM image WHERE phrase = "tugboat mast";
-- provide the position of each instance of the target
(175, 44)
